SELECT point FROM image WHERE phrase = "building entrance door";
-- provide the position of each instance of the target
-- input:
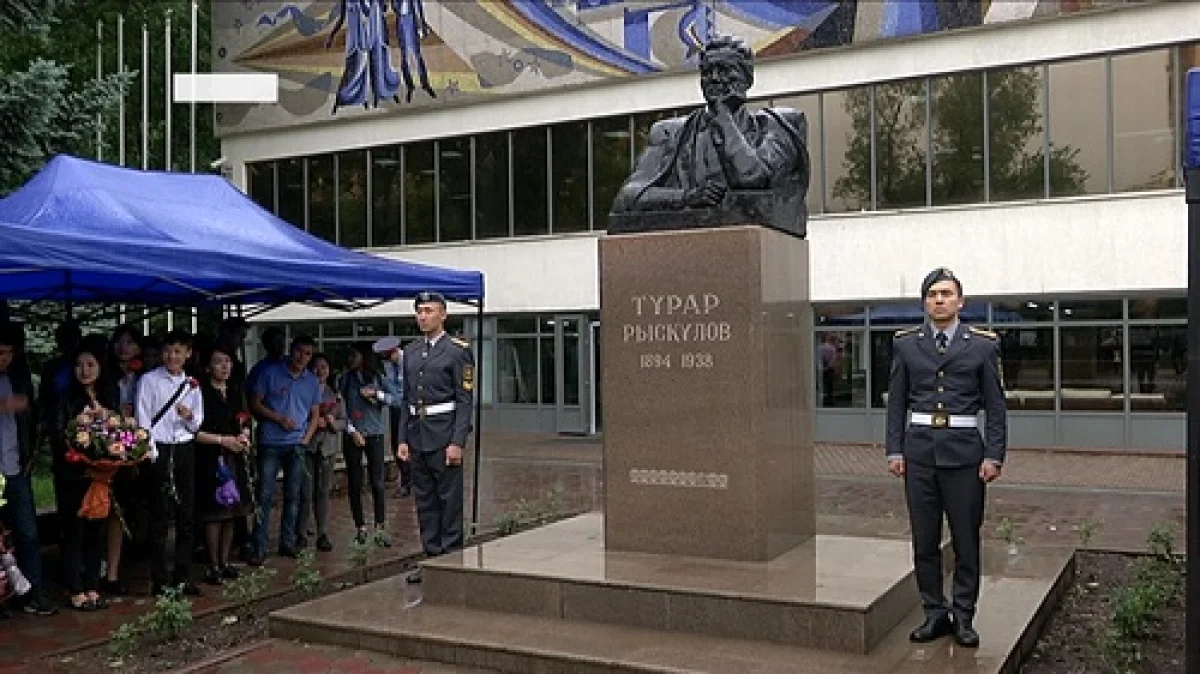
(571, 380)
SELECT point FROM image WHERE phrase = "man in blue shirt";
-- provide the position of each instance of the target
(287, 398)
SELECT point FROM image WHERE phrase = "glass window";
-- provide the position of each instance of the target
(840, 314)
(1092, 370)
(352, 199)
(419, 180)
(516, 325)
(208, 320)
(881, 365)
(1016, 134)
(1078, 149)
(841, 366)
(1143, 122)
(1158, 368)
(549, 389)
(387, 184)
(516, 370)
(611, 164)
(1023, 311)
(529, 182)
(901, 135)
(1091, 310)
(958, 139)
(847, 150)
(261, 189)
(291, 191)
(569, 144)
(322, 209)
(570, 361)
(810, 105)
(454, 184)
(1027, 363)
(491, 185)
(336, 329)
(376, 328)
(1143, 308)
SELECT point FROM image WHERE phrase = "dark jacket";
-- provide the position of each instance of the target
(964, 381)
(443, 374)
(27, 428)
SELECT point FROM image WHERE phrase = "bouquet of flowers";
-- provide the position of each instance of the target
(104, 441)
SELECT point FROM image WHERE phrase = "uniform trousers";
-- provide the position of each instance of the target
(958, 493)
(438, 491)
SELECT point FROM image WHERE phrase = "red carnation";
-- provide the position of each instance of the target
(243, 418)
(192, 382)
(75, 457)
(358, 415)
(136, 365)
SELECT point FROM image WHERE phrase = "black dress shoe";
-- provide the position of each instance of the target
(932, 628)
(255, 559)
(965, 634)
(189, 588)
(113, 588)
(285, 551)
(414, 576)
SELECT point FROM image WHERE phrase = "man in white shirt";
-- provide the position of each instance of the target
(170, 405)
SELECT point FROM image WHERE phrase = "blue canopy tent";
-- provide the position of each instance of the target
(82, 231)
(85, 232)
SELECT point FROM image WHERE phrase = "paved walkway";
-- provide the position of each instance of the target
(1046, 496)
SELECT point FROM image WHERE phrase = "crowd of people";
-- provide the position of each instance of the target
(221, 436)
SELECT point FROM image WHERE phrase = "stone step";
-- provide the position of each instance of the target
(831, 592)
(1017, 595)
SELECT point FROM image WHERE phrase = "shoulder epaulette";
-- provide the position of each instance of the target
(907, 331)
(461, 342)
(983, 333)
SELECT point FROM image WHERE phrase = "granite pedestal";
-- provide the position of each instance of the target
(706, 558)
(706, 340)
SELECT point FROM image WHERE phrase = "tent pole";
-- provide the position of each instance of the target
(70, 306)
(478, 419)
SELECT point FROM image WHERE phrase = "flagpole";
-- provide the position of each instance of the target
(121, 107)
(170, 165)
(145, 97)
(192, 105)
(99, 76)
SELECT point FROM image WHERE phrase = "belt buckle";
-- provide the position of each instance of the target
(941, 420)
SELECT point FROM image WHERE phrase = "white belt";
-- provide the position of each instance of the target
(430, 410)
(943, 420)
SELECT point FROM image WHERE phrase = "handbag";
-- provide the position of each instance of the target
(227, 494)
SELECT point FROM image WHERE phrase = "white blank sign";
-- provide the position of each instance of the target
(226, 88)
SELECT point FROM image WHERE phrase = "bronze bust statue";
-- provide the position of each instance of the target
(723, 164)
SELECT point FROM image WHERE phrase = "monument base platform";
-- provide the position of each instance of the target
(553, 600)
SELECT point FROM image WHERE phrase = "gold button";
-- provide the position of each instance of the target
(941, 406)
(941, 389)
(941, 374)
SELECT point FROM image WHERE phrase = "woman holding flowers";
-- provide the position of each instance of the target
(91, 399)
(222, 486)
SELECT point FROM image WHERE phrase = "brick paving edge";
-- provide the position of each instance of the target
(1085, 451)
(222, 658)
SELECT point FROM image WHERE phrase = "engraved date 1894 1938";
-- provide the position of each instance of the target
(685, 361)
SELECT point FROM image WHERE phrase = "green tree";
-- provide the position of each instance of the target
(51, 100)
(1016, 154)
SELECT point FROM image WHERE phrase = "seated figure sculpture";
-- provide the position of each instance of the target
(723, 164)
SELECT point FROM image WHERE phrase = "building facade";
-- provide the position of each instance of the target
(1032, 146)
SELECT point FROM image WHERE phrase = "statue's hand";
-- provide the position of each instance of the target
(706, 196)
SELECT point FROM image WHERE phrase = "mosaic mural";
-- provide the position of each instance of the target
(339, 58)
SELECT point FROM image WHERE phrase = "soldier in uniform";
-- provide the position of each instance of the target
(943, 374)
(439, 384)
